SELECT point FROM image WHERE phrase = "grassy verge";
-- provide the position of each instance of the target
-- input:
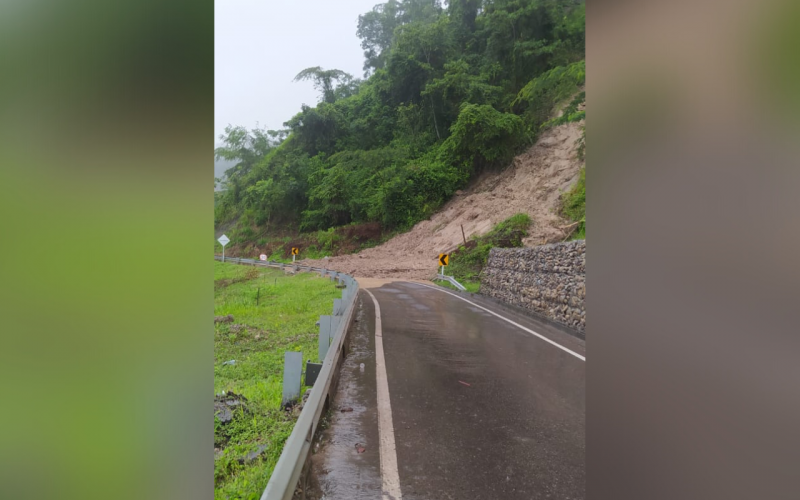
(573, 206)
(467, 262)
(272, 313)
(471, 286)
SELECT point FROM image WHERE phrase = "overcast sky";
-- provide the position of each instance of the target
(260, 45)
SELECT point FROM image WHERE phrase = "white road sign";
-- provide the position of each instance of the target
(262, 257)
(223, 240)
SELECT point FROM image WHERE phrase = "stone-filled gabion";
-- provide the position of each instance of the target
(549, 280)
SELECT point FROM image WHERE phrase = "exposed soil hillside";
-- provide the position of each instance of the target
(532, 184)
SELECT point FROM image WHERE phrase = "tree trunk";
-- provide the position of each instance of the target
(435, 125)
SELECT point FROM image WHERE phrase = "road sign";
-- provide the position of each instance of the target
(223, 240)
(295, 251)
(444, 259)
(262, 257)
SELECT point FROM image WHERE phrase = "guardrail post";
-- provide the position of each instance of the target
(334, 325)
(325, 334)
(292, 376)
(337, 307)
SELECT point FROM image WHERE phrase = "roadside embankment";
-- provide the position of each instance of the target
(259, 314)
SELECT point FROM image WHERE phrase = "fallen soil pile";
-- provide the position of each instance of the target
(532, 184)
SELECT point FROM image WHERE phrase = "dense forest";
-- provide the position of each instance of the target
(449, 90)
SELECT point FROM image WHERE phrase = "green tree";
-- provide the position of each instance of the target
(483, 137)
(376, 31)
(463, 14)
(458, 85)
(247, 147)
(449, 92)
(324, 79)
(418, 57)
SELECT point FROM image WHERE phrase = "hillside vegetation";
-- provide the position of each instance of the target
(467, 261)
(449, 92)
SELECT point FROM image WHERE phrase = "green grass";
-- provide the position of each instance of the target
(283, 320)
(471, 286)
(573, 206)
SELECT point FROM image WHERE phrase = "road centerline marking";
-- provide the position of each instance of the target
(582, 358)
(390, 476)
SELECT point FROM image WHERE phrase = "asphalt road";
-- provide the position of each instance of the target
(480, 407)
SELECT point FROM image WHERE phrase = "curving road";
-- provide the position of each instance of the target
(482, 403)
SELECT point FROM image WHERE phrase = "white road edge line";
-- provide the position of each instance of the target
(388, 452)
(582, 358)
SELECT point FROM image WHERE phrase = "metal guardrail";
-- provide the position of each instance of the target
(452, 281)
(285, 476)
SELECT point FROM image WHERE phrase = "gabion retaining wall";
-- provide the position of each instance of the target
(549, 280)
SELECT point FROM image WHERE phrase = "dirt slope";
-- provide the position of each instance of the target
(532, 184)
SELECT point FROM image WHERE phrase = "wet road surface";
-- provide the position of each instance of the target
(481, 408)
(338, 470)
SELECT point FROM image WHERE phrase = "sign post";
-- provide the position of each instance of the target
(444, 260)
(295, 251)
(223, 240)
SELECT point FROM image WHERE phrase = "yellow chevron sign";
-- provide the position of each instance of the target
(444, 259)
(295, 251)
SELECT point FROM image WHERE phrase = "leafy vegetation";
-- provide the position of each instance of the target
(277, 245)
(571, 113)
(467, 262)
(573, 206)
(448, 91)
(272, 313)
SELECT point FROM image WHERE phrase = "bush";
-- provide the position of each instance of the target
(326, 239)
(573, 205)
(468, 261)
(535, 102)
(482, 137)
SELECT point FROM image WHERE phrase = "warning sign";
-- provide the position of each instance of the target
(295, 251)
(444, 259)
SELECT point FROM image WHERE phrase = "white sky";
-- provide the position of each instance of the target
(260, 45)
